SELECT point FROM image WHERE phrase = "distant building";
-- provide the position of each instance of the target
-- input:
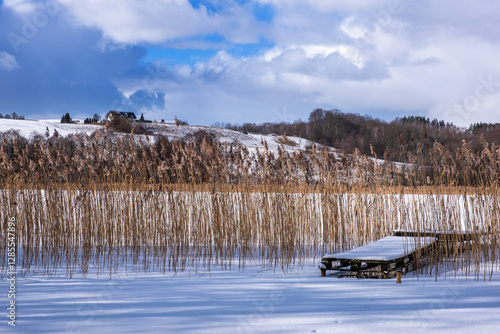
(127, 114)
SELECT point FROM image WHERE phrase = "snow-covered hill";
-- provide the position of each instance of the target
(29, 127)
(252, 141)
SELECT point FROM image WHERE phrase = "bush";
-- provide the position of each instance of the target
(118, 123)
(124, 124)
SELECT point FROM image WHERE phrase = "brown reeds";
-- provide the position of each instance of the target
(101, 202)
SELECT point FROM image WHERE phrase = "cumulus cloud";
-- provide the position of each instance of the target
(20, 6)
(252, 88)
(413, 56)
(152, 21)
(328, 5)
(7, 62)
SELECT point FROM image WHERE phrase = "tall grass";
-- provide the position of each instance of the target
(103, 202)
(171, 231)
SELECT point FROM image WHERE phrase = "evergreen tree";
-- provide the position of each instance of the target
(66, 118)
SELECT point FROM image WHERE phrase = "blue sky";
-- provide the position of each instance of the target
(251, 60)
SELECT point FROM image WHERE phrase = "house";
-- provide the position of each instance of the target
(127, 114)
(130, 115)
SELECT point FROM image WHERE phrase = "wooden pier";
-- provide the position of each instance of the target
(382, 258)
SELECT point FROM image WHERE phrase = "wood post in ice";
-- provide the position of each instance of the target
(398, 278)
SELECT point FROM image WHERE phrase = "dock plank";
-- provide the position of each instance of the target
(386, 249)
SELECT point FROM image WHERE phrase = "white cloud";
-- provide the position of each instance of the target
(153, 21)
(399, 77)
(22, 7)
(252, 88)
(318, 51)
(7, 62)
(328, 5)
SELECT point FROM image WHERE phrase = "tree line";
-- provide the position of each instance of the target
(12, 116)
(397, 140)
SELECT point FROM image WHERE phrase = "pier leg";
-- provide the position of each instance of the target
(384, 267)
(398, 279)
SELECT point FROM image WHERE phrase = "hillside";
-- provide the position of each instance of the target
(27, 128)
(251, 141)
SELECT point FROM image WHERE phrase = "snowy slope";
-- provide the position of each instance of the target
(28, 127)
(252, 141)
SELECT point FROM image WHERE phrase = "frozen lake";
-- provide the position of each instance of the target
(253, 301)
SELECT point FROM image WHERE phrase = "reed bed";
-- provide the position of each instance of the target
(172, 231)
(99, 203)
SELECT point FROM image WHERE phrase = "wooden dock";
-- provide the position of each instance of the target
(380, 259)
(460, 236)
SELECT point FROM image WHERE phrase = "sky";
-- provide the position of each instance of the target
(237, 61)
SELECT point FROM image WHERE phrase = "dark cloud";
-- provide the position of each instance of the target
(60, 68)
(142, 101)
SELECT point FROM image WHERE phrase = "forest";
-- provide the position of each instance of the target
(395, 141)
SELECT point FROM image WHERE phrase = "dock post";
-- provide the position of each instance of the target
(398, 279)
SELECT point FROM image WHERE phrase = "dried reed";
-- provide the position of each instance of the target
(105, 201)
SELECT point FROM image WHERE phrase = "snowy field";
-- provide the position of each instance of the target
(28, 128)
(251, 301)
